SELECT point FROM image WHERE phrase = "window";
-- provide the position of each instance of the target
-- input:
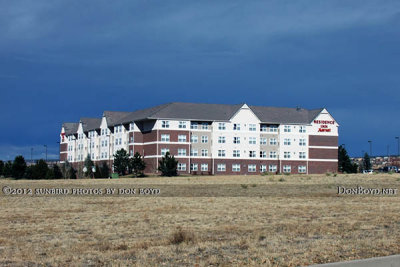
(272, 141)
(263, 141)
(116, 141)
(286, 155)
(131, 152)
(252, 140)
(194, 167)
(221, 153)
(221, 139)
(181, 166)
(236, 140)
(204, 139)
(286, 141)
(236, 127)
(236, 153)
(204, 167)
(102, 143)
(120, 141)
(236, 167)
(165, 138)
(182, 125)
(181, 152)
(204, 126)
(204, 152)
(221, 167)
(194, 139)
(272, 154)
(131, 139)
(221, 126)
(252, 168)
(287, 168)
(182, 138)
(273, 128)
(302, 129)
(302, 155)
(287, 129)
(252, 127)
(302, 142)
(164, 124)
(263, 154)
(105, 143)
(272, 168)
(263, 168)
(131, 126)
(252, 154)
(164, 151)
(194, 152)
(302, 169)
(194, 125)
(105, 154)
(263, 128)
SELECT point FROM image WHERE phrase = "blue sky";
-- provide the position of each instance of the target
(62, 60)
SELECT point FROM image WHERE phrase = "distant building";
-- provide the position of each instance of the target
(210, 138)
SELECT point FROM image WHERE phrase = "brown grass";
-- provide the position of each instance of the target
(284, 227)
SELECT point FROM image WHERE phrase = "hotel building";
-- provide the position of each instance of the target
(210, 138)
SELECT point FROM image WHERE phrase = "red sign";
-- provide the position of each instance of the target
(324, 122)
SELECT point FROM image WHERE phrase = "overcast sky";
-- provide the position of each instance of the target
(62, 60)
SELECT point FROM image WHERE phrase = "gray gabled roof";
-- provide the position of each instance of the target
(70, 127)
(285, 115)
(114, 117)
(220, 112)
(89, 124)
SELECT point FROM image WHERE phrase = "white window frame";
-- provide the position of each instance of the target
(181, 151)
(165, 138)
(302, 169)
(221, 167)
(164, 151)
(221, 126)
(165, 124)
(236, 140)
(194, 152)
(252, 168)
(204, 152)
(221, 153)
(204, 167)
(204, 139)
(221, 140)
(236, 153)
(272, 168)
(235, 167)
(287, 168)
(252, 154)
(194, 139)
(252, 140)
(182, 125)
(194, 166)
(181, 167)
(182, 138)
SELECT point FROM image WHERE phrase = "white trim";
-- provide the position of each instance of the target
(324, 147)
(324, 160)
(161, 143)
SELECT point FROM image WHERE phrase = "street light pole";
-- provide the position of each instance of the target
(31, 155)
(398, 145)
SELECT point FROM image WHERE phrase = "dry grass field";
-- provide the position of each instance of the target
(288, 221)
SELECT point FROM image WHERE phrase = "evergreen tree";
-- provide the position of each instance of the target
(89, 165)
(168, 165)
(29, 172)
(7, 170)
(97, 173)
(344, 164)
(137, 165)
(1, 167)
(367, 162)
(104, 171)
(121, 161)
(18, 167)
(50, 174)
(57, 172)
(40, 170)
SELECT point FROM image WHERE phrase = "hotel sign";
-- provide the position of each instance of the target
(324, 125)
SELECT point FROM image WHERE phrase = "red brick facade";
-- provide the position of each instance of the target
(322, 153)
(317, 140)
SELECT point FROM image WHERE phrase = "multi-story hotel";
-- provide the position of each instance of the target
(210, 138)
